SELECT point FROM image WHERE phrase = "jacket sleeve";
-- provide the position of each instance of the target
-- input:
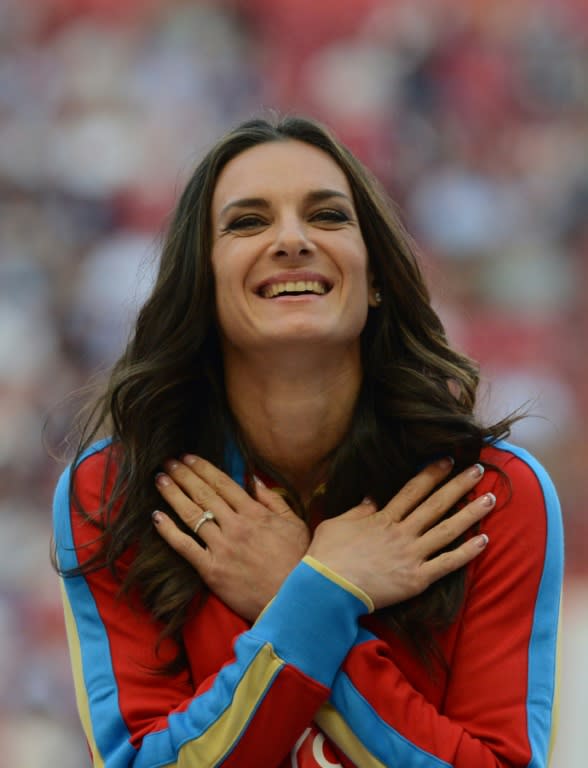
(242, 715)
(497, 709)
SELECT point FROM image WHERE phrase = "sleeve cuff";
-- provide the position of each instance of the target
(341, 581)
(313, 621)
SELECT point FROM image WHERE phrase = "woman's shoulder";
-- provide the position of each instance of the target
(527, 507)
(96, 462)
(83, 485)
(518, 469)
(91, 472)
(523, 564)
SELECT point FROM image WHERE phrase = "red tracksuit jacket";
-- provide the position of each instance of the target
(316, 682)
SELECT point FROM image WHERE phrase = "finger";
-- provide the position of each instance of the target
(182, 543)
(206, 529)
(440, 502)
(188, 510)
(197, 489)
(447, 562)
(217, 480)
(417, 489)
(442, 534)
(274, 501)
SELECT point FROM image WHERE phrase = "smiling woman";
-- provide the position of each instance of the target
(296, 545)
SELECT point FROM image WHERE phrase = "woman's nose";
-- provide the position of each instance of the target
(292, 239)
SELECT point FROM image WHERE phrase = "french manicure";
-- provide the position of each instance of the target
(258, 481)
(188, 458)
(482, 540)
(488, 499)
(477, 470)
(157, 517)
(162, 479)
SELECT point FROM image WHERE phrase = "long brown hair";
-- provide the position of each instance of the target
(166, 395)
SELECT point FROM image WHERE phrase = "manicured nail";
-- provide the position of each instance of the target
(162, 479)
(488, 499)
(481, 540)
(477, 470)
(446, 463)
(188, 458)
(171, 465)
(157, 517)
(367, 500)
(259, 481)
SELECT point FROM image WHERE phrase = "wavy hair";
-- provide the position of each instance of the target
(166, 396)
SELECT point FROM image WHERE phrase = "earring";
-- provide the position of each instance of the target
(378, 298)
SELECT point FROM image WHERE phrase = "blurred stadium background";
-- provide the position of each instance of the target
(474, 114)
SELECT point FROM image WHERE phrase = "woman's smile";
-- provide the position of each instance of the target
(296, 284)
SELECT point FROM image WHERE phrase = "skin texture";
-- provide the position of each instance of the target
(284, 211)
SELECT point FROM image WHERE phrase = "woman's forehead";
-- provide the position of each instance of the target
(277, 167)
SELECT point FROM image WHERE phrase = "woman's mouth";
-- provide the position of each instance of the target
(293, 288)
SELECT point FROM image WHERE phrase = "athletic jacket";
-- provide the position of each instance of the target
(317, 682)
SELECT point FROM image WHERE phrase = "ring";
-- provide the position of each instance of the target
(207, 515)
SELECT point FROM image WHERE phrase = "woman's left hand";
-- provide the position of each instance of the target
(251, 545)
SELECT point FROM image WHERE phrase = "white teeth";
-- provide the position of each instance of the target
(293, 286)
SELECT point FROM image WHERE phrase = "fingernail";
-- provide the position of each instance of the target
(171, 465)
(367, 500)
(259, 481)
(488, 499)
(477, 470)
(162, 479)
(157, 517)
(482, 540)
(188, 458)
(446, 462)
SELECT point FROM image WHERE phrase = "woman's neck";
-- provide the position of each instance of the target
(294, 415)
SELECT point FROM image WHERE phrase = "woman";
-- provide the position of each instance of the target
(343, 566)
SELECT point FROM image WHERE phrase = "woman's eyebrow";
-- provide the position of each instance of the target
(245, 202)
(318, 195)
(314, 196)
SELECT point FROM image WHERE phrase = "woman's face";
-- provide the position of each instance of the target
(289, 260)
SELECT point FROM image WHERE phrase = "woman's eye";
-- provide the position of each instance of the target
(330, 215)
(250, 221)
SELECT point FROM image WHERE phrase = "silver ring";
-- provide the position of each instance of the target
(206, 516)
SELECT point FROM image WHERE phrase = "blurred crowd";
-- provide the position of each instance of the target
(473, 114)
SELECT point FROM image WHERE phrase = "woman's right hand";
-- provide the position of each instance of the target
(394, 554)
